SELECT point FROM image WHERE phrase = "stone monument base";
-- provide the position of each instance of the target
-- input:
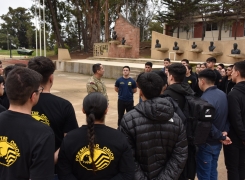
(237, 56)
(162, 49)
(213, 54)
(196, 50)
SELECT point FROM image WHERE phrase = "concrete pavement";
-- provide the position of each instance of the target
(72, 86)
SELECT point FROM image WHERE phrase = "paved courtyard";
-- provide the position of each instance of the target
(72, 87)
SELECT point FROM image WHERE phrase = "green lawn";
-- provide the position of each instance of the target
(14, 53)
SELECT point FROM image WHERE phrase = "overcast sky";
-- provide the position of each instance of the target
(5, 4)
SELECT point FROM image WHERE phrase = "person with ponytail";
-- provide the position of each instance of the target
(95, 151)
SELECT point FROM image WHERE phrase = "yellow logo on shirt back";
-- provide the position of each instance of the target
(9, 151)
(42, 118)
(189, 82)
(102, 157)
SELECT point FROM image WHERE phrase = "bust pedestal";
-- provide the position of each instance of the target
(196, 50)
(213, 54)
(162, 49)
(124, 46)
(114, 42)
(237, 56)
(179, 52)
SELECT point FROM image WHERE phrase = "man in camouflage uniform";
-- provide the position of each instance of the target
(95, 84)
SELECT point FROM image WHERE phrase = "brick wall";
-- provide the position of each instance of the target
(240, 29)
(131, 34)
(198, 27)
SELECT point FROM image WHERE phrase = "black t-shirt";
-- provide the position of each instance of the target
(2, 108)
(56, 112)
(5, 100)
(26, 148)
(113, 156)
(218, 78)
(191, 80)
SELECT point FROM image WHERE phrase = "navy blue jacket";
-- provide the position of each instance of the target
(218, 100)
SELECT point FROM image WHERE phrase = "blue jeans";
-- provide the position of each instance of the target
(56, 177)
(207, 161)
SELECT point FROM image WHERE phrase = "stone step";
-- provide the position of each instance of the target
(143, 60)
(112, 69)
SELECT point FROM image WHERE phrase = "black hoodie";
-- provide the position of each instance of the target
(236, 113)
(226, 85)
(178, 91)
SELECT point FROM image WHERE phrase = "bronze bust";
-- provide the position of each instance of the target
(158, 45)
(123, 41)
(235, 50)
(114, 35)
(211, 47)
(193, 45)
(176, 47)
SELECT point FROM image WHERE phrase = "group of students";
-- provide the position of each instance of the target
(206, 83)
(228, 125)
(40, 138)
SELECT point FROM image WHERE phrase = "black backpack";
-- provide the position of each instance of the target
(199, 117)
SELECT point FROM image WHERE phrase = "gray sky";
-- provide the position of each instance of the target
(5, 4)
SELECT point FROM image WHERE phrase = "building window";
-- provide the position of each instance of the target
(211, 27)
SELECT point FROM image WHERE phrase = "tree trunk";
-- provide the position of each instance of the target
(220, 29)
(222, 21)
(106, 21)
(236, 29)
(79, 23)
(95, 36)
(55, 25)
(178, 32)
(203, 28)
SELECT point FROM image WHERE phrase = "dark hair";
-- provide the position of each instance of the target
(20, 65)
(148, 64)
(94, 105)
(96, 67)
(150, 84)
(0, 62)
(211, 59)
(222, 65)
(186, 60)
(189, 67)
(198, 64)
(240, 66)
(230, 66)
(167, 59)
(178, 71)
(42, 65)
(126, 67)
(20, 84)
(162, 75)
(1, 80)
(139, 76)
(7, 69)
(205, 64)
(208, 74)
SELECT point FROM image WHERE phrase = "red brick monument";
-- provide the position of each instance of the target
(131, 34)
